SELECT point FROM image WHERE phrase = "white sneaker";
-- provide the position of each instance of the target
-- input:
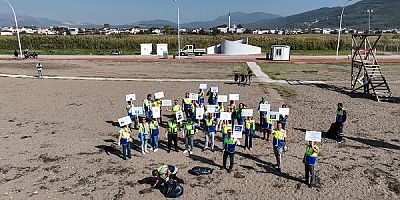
(155, 150)
(146, 151)
(143, 152)
(190, 152)
(185, 151)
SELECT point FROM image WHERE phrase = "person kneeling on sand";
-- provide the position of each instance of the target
(164, 173)
(310, 160)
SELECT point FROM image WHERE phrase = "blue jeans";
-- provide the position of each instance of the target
(154, 142)
(143, 141)
(126, 150)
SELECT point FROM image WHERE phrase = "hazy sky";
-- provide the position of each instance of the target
(128, 11)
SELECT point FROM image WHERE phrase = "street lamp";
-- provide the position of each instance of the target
(369, 11)
(16, 25)
(179, 30)
(340, 28)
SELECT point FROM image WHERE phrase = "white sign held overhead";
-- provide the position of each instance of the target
(137, 111)
(222, 98)
(214, 89)
(274, 116)
(314, 136)
(265, 107)
(234, 97)
(199, 113)
(193, 96)
(130, 97)
(211, 108)
(156, 111)
(124, 121)
(283, 111)
(203, 86)
(159, 95)
(166, 103)
(238, 131)
(226, 116)
(248, 112)
(179, 116)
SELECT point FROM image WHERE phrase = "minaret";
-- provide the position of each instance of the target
(229, 23)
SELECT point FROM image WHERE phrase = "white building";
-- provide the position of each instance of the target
(146, 49)
(240, 47)
(74, 31)
(280, 53)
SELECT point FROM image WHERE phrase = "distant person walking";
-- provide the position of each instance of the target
(279, 144)
(341, 116)
(310, 160)
(229, 150)
(39, 69)
(15, 54)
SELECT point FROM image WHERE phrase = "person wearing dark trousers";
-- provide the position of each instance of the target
(172, 134)
(249, 129)
(125, 140)
(341, 116)
(279, 144)
(310, 160)
(229, 150)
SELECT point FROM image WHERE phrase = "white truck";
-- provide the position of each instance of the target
(191, 50)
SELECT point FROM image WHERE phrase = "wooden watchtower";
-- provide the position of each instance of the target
(366, 72)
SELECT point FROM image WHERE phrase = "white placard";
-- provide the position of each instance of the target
(238, 131)
(265, 107)
(214, 89)
(203, 86)
(274, 116)
(156, 111)
(194, 97)
(247, 112)
(211, 108)
(226, 116)
(233, 97)
(124, 121)
(222, 98)
(166, 103)
(314, 136)
(179, 116)
(200, 113)
(130, 97)
(283, 111)
(159, 95)
(137, 111)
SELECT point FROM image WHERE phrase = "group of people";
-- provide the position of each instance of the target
(149, 129)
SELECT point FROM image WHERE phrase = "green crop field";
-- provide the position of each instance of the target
(130, 44)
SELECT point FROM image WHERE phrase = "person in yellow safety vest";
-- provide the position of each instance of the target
(218, 111)
(189, 132)
(341, 116)
(283, 119)
(310, 160)
(239, 114)
(201, 97)
(187, 104)
(267, 127)
(232, 109)
(212, 97)
(229, 150)
(154, 132)
(125, 140)
(144, 131)
(175, 108)
(133, 116)
(157, 103)
(279, 144)
(210, 132)
(172, 134)
(164, 173)
(225, 128)
(249, 131)
(147, 107)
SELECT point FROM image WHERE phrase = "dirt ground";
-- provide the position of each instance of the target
(117, 69)
(57, 143)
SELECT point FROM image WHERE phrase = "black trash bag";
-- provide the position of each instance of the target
(236, 77)
(172, 189)
(201, 171)
(332, 132)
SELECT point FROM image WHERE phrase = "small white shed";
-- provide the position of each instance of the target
(146, 49)
(280, 53)
(161, 49)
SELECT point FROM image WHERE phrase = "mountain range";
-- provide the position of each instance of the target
(386, 15)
